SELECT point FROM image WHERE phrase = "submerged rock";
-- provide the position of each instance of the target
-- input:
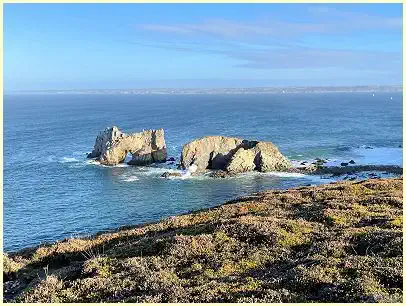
(112, 146)
(232, 155)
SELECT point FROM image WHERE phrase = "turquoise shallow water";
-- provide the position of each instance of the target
(51, 191)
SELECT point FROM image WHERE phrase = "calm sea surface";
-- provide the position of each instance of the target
(51, 191)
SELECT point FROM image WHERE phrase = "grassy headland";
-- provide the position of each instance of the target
(332, 243)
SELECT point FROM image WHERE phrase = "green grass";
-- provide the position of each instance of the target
(333, 243)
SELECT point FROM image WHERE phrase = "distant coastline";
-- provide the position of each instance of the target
(211, 91)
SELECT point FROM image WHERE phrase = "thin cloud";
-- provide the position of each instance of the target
(276, 44)
(297, 58)
(358, 20)
(325, 20)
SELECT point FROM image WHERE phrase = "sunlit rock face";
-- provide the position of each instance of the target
(146, 147)
(233, 155)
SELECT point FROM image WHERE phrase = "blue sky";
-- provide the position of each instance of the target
(84, 46)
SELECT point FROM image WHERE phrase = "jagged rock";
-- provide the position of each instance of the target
(351, 161)
(344, 164)
(171, 159)
(104, 140)
(171, 174)
(217, 153)
(112, 146)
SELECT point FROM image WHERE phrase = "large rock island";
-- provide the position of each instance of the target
(112, 146)
(233, 155)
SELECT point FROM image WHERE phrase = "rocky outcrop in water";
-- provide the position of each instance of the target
(233, 155)
(337, 170)
(112, 146)
(171, 174)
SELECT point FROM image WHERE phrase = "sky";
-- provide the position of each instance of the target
(113, 46)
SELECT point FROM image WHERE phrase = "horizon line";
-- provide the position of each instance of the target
(211, 88)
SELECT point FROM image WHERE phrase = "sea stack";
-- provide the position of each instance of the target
(112, 146)
(233, 155)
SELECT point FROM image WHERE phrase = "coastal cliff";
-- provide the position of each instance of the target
(338, 242)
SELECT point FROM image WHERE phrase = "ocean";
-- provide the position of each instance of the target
(52, 191)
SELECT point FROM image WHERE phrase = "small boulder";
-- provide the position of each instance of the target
(351, 161)
(344, 164)
(171, 159)
(171, 174)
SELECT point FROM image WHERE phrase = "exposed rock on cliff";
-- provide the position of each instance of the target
(233, 155)
(112, 146)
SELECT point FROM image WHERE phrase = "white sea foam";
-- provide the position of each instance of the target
(92, 162)
(115, 166)
(78, 153)
(120, 166)
(51, 158)
(154, 170)
(95, 162)
(68, 160)
(189, 171)
(186, 174)
(131, 178)
(286, 174)
(313, 178)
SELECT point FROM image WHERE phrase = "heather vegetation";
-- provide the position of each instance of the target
(339, 242)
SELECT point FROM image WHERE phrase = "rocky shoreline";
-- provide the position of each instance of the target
(217, 156)
(339, 242)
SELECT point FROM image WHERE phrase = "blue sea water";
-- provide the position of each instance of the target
(51, 191)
